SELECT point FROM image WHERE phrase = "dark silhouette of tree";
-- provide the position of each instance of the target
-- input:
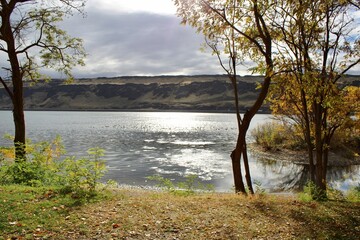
(31, 39)
(242, 28)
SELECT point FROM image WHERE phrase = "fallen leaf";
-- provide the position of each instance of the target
(115, 225)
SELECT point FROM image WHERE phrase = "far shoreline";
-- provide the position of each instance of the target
(137, 110)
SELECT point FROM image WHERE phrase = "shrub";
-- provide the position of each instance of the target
(82, 175)
(346, 141)
(275, 135)
(44, 167)
(353, 195)
(307, 194)
(311, 193)
(39, 169)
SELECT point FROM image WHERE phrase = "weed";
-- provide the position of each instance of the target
(39, 169)
(188, 187)
(259, 189)
(353, 195)
(335, 194)
(81, 176)
(307, 195)
(312, 192)
(44, 167)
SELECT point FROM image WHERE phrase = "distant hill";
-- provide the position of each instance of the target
(173, 93)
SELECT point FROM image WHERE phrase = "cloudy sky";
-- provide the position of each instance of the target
(138, 37)
(141, 37)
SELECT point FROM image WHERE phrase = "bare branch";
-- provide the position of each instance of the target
(346, 70)
(10, 93)
(224, 17)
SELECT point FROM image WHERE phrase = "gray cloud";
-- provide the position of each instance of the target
(139, 44)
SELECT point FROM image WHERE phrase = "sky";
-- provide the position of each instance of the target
(142, 38)
(138, 37)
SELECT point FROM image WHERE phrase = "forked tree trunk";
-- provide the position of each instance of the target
(266, 50)
(241, 141)
(240, 149)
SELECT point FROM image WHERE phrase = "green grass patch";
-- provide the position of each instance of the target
(41, 212)
(44, 213)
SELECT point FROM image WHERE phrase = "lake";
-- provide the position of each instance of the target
(170, 144)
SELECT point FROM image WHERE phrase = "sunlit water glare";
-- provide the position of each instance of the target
(171, 144)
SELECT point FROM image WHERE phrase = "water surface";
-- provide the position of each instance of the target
(172, 144)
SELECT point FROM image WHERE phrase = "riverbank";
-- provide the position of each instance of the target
(32, 213)
(300, 157)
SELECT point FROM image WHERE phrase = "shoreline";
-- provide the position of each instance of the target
(300, 157)
(135, 110)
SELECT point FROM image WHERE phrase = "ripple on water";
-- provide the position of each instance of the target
(192, 143)
(173, 144)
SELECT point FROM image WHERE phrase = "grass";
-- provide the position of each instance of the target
(40, 213)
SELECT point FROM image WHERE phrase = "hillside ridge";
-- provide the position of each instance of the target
(148, 93)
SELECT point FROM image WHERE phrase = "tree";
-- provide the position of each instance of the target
(242, 28)
(228, 39)
(30, 39)
(318, 48)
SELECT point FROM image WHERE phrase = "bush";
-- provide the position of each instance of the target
(307, 194)
(39, 169)
(274, 136)
(44, 167)
(353, 195)
(312, 193)
(346, 141)
(82, 175)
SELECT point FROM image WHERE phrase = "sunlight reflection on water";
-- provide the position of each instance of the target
(173, 144)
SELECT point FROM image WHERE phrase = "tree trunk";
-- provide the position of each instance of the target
(19, 121)
(243, 125)
(325, 163)
(327, 141)
(307, 135)
(247, 169)
(239, 151)
(236, 165)
(18, 106)
(241, 142)
(319, 146)
(17, 75)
